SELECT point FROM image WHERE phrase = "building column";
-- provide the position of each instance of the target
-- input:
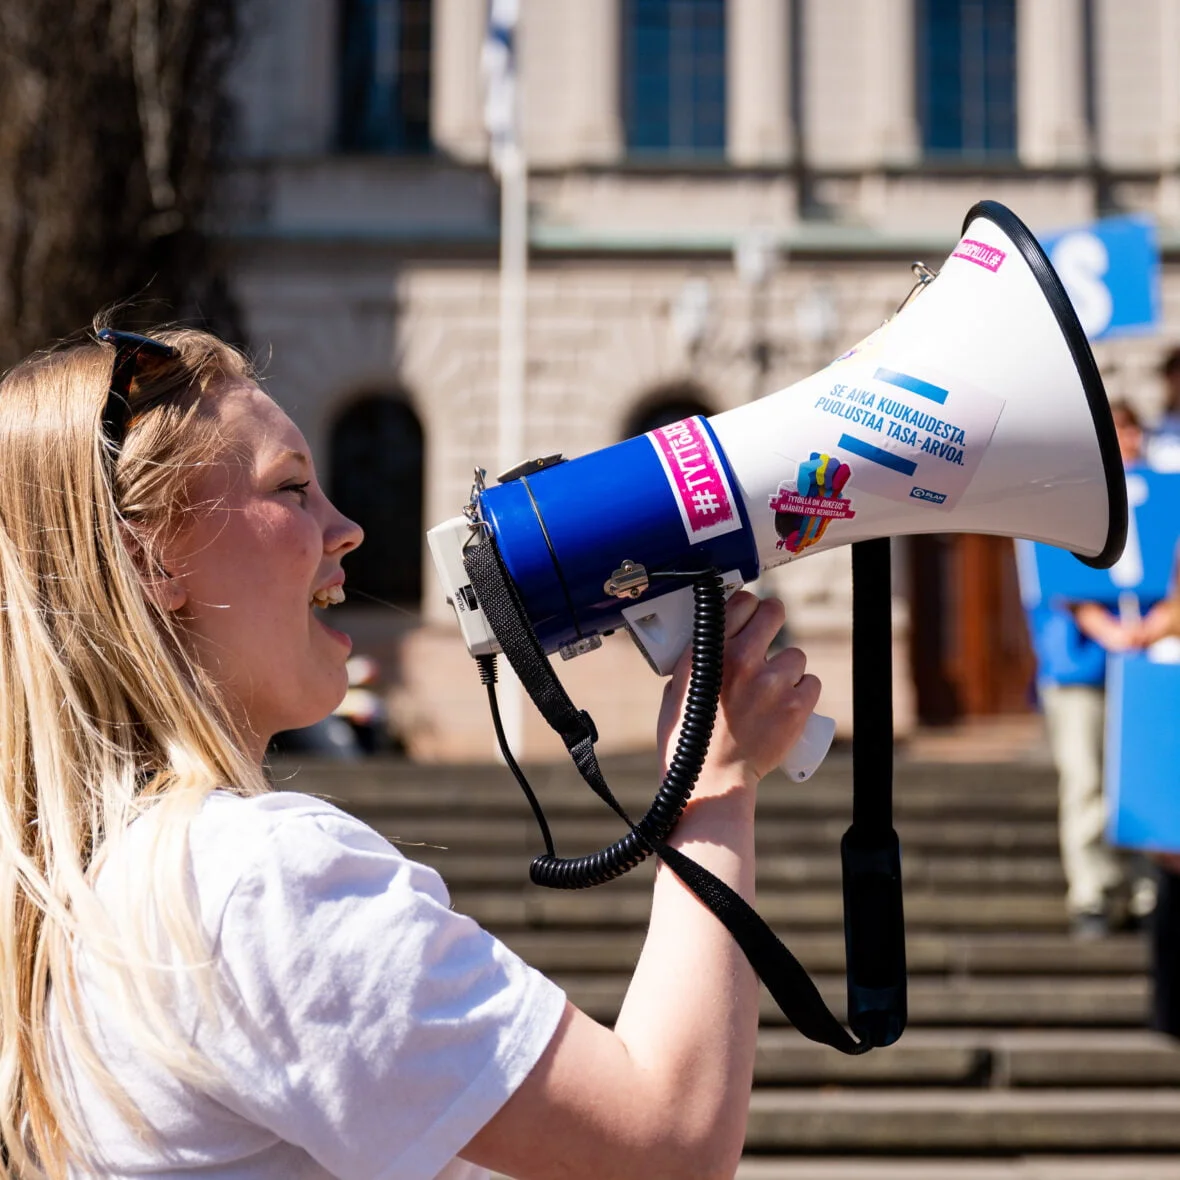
(890, 81)
(1169, 85)
(1168, 197)
(456, 104)
(593, 46)
(1051, 84)
(758, 82)
(1131, 62)
(859, 81)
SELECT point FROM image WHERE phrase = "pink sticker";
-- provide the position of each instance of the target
(989, 257)
(805, 505)
(784, 501)
(694, 471)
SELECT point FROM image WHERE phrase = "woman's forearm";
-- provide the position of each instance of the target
(689, 1020)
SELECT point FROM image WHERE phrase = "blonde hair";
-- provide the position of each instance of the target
(102, 713)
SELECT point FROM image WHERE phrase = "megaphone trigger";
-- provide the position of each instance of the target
(805, 756)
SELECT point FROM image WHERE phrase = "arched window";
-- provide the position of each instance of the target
(377, 480)
(674, 77)
(967, 77)
(666, 405)
(384, 72)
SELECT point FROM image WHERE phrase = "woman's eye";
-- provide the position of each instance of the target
(299, 489)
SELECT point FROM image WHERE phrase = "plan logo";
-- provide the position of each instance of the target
(926, 494)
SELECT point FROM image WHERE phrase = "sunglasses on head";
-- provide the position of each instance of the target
(136, 357)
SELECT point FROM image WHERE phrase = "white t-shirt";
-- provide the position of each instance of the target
(376, 1031)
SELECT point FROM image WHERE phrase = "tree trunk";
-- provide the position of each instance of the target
(113, 120)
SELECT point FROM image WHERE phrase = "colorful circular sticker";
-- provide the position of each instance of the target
(803, 508)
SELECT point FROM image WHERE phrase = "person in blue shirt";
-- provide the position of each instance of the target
(1105, 888)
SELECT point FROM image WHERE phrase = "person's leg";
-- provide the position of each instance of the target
(1165, 955)
(1075, 716)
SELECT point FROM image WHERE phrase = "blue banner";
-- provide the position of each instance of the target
(1111, 271)
(1143, 753)
(1048, 574)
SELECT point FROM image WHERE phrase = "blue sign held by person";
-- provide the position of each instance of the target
(1111, 271)
(1142, 747)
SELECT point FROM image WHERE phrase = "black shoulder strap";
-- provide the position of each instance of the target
(874, 925)
(784, 977)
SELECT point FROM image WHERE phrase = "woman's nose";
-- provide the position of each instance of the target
(342, 535)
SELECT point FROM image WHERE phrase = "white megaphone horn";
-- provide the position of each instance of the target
(978, 408)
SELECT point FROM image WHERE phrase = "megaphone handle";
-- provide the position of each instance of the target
(804, 757)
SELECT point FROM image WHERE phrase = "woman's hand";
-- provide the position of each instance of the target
(764, 704)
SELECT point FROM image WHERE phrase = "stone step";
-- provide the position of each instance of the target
(1094, 1001)
(927, 952)
(929, 1121)
(978, 1058)
(614, 906)
(642, 761)
(1086, 1058)
(1133, 1167)
(368, 778)
(465, 829)
(372, 774)
(923, 1057)
(504, 797)
(1040, 873)
(1026, 1168)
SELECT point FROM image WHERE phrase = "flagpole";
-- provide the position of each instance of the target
(501, 115)
(514, 252)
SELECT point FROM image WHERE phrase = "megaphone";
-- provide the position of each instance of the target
(977, 408)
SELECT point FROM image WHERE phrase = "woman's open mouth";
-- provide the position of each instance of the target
(321, 600)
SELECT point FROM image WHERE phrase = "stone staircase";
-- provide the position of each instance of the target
(1026, 1057)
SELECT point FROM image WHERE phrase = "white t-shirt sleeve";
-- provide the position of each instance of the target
(370, 1024)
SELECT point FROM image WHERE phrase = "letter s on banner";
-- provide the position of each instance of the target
(1081, 260)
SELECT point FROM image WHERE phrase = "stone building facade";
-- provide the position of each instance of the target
(370, 276)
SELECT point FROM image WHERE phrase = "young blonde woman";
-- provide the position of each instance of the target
(203, 977)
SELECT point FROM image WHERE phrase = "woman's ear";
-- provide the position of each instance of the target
(165, 591)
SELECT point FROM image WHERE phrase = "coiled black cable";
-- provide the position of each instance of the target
(700, 714)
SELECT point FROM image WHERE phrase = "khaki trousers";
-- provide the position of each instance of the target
(1095, 874)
